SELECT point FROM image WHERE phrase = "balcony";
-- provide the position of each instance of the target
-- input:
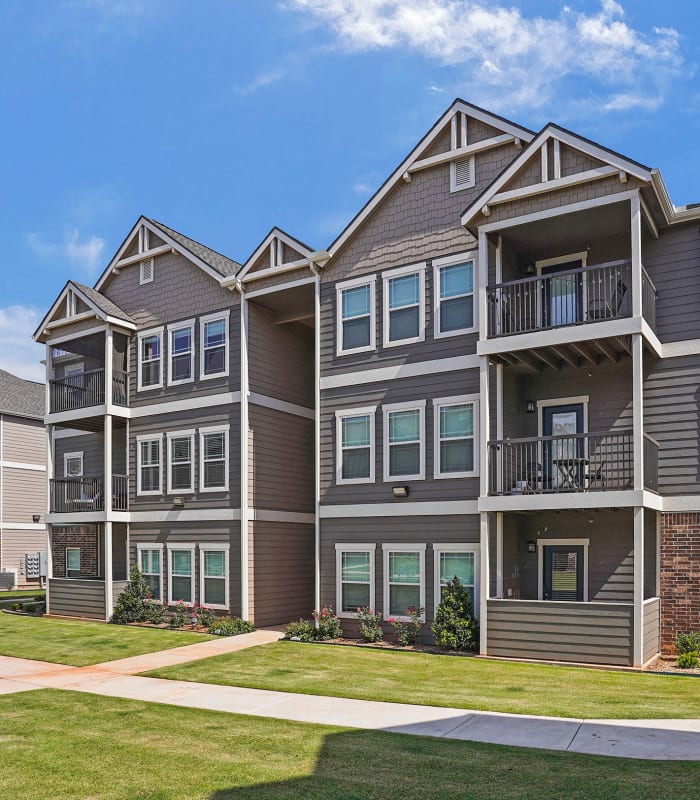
(86, 390)
(86, 494)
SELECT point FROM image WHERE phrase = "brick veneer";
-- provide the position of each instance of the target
(81, 537)
(680, 576)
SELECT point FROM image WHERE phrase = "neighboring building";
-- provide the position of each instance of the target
(22, 479)
(492, 372)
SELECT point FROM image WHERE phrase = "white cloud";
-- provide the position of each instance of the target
(84, 255)
(260, 81)
(19, 354)
(507, 57)
(362, 187)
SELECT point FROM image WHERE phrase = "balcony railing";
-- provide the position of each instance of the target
(80, 495)
(651, 463)
(87, 389)
(583, 462)
(563, 299)
(648, 300)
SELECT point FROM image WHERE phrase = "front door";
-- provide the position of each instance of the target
(563, 573)
(560, 469)
(562, 295)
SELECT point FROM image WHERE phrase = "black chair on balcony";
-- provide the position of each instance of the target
(597, 476)
(607, 308)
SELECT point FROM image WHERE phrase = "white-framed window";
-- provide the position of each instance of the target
(213, 345)
(213, 575)
(146, 271)
(404, 441)
(462, 173)
(462, 561)
(148, 473)
(181, 573)
(213, 459)
(404, 305)
(181, 353)
(150, 359)
(355, 445)
(150, 562)
(72, 562)
(404, 579)
(73, 465)
(355, 315)
(455, 295)
(456, 436)
(180, 461)
(354, 578)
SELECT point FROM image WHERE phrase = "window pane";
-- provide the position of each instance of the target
(356, 463)
(404, 459)
(73, 559)
(149, 479)
(356, 333)
(402, 597)
(153, 582)
(404, 426)
(215, 564)
(356, 302)
(457, 455)
(457, 421)
(181, 589)
(356, 431)
(182, 562)
(150, 373)
(214, 360)
(180, 448)
(150, 347)
(214, 474)
(74, 467)
(150, 451)
(457, 314)
(459, 564)
(215, 591)
(181, 477)
(214, 333)
(182, 367)
(355, 567)
(214, 445)
(404, 291)
(456, 279)
(354, 596)
(181, 340)
(404, 567)
(403, 324)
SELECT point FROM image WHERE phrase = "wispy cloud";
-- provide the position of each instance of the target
(19, 354)
(363, 188)
(84, 254)
(510, 59)
(260, 81)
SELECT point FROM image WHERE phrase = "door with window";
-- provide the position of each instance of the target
(563, 454)
(563, 576)
(562, 294)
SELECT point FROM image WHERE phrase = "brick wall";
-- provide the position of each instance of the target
(82, 537)
(680, 576)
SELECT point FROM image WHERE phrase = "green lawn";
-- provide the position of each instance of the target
(441, 680)
(75, 746)
(23, 594)
(78, 643)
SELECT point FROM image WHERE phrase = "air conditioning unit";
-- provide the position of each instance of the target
(8, 579)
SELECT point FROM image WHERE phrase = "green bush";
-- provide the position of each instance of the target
(130, 603)
(180, 617)
(16, 607)
(370, 625)
(205, 616)
(327, 624)
(688, 660)
(455, 626)
(153, 612)
(229, 626)
(687, 643)
(302, 629)
(406, 631)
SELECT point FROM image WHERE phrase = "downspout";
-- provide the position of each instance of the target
(317, 434)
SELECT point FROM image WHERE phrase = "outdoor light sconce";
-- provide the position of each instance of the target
(399, 491)
(530, 407)
(530, 269)
(36, 518)
(179, 501)
(531, 547)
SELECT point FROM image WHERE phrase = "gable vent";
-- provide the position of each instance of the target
(146, 270)
(462, 173)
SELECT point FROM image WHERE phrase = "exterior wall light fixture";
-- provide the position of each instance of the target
(400, 491)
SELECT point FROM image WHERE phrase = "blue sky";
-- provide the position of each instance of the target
(224, 118)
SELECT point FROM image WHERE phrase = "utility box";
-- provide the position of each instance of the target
(35, 565)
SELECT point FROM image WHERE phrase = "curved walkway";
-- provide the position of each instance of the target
(677, 740)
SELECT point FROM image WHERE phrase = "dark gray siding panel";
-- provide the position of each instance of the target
(652, 627)
(92, 447)
(595, 633)
(650, 565)
(77, 598)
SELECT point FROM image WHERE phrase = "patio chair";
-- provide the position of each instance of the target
(602, 308)
(597, 475)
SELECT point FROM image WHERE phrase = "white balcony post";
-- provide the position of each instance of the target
(638, 614)
(638, 410)
(244, 456)
(636, 251)
(109, 360)
(485, 559)
(50, 475)
(107, 492)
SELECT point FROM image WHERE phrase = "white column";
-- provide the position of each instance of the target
(244, 456)
(49, 474)
(317, 438)
(636, 251)
(499, 554)
(484, 435)
(638, 410)
(108, 514)
(109, 361)
(638, 616)
(485, 580)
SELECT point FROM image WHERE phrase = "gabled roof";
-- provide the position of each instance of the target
(222, 264)
(553, 131)
(102, 303)
(275, 233)
(494, 120)
(20, 397)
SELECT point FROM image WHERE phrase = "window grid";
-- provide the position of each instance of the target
(393, 553)
(149, 478)
(150, 358)
(150, 565)
(213, 467)
(355, 320)
(180, 461)
(181, 574)
(214, 346)
(456, 450)
(404, 305)
(402, 444)
(447, 299)
(460, 549)
(181, 353)
(214, 575)
(355, 457)
(350, 575)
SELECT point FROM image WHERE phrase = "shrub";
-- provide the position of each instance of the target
(687, 642)
(455, 626)
(302, 629)
(229, 626)
(16, 607)
(205, 616)
(130, 603)
(688, 660)
(327, 624)
(406, 631)
(370, 625)
(153, 612)
(178, 618)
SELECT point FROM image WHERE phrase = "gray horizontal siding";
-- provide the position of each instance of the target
(595, 633)
(651, 643)
(91, 445)
(13, 547)
(77, 598)
(23, 440)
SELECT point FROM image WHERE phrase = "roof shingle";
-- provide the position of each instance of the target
(219, 263)
(21, 397)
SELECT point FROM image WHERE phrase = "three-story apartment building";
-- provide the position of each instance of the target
(491, 373)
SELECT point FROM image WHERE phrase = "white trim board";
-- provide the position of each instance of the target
(23, 465)
(399, 509)
(420, 368)
(187, 515)
(280, 405)
(272, 515)
(189, 404)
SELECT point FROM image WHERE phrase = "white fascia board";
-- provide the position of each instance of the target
(399, 509)
(186, 515)
(430, 367)
(561, 502)
(275, 233)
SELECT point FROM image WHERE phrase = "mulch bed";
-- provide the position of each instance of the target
(384, 645)
(668, 664)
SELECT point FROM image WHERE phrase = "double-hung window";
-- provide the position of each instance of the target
(180, 461)
(213, 335)
(148, 477)
(72, 562)
(404, 305)
(354, 569)
(460, 561)
(150, 359)
(73, 465)
(404, 579)
(181, 574)
(355, 445)
(150, 565)
(355, 317)
(181, 353)
(213, 579)
(213, 459)
(455, 300)
(456, 423)
(404, 441)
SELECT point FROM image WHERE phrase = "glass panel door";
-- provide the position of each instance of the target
(563, 573)
(562, 295)
(563, 462)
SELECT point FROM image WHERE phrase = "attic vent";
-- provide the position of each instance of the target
(462, 174)
(146, 270)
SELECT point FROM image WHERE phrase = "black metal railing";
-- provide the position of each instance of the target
(120, 388)
(583, 462)
(651, 463)
(562, 299)
(648, 300)
(83, 390)
(80, 495)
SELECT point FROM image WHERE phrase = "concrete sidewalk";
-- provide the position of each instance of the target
(647, 739)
